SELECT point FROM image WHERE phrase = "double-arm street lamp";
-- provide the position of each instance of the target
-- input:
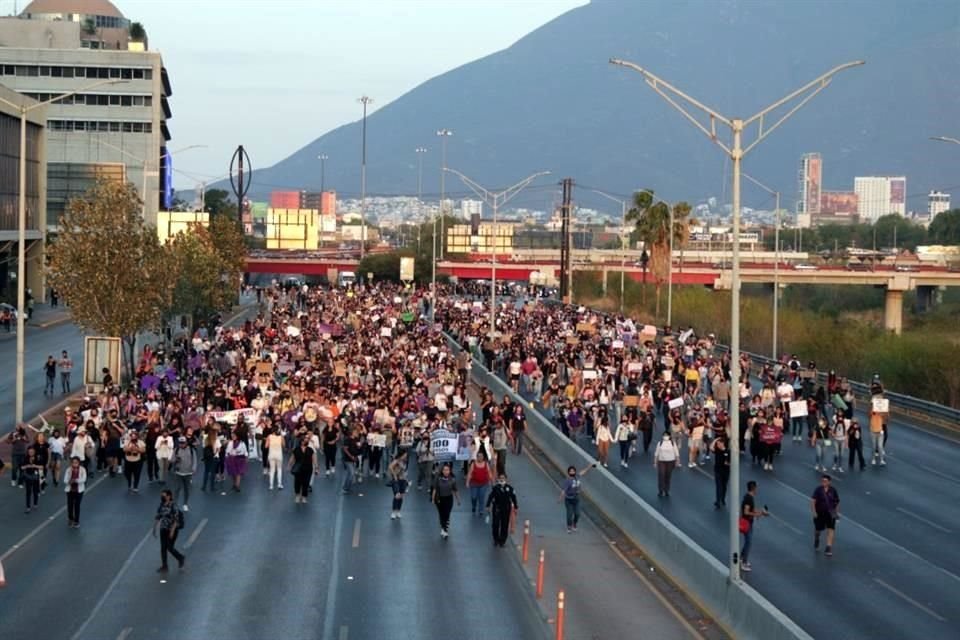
(495, 200)
(24, 109)
(443, 134)
(736, 151)
(776, 263)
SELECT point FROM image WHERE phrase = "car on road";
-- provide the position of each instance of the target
(805, 267)
(906, 268)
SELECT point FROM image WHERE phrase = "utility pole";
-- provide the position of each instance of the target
(364, 100)
(419, 151)
(444, 134)
(566, 263)
(735, 150)
(323, 172)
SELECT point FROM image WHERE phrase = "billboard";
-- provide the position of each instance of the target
(898, 190)
(813, 180)
(838, 203)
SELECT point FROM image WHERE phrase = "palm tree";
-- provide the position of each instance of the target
(652, 219)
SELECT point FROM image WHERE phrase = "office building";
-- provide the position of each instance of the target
(878, 196)
(116, 129)
(36, 191)
(809, 182)
(937, 202)
(469, 208)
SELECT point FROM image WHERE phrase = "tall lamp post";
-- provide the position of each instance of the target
(681, 101)
(776, 263)
(945, 139)
(364, 100)
(24, 109)
(623, 238)
(495, 200)
(444, 134)
(420, 151)
(144, 163)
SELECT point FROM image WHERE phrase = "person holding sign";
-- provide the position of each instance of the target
(443, 495)
(397, 472)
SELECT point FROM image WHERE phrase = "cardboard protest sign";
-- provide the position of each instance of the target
(798, 409)
(676, 403)
(880, 405)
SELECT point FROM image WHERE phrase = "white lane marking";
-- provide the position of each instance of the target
(786, 524)
(927, 610)
(126, 632)
(344, 632)
(196, 534)
(59, 512)
(923, 467)
(356, 533)
(329, 610)
(611, 544)
(878, 536)
(113, 585)
(922, 519)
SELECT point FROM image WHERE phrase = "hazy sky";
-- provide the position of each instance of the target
(275, 74)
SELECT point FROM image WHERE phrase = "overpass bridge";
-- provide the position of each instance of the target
(925, 280)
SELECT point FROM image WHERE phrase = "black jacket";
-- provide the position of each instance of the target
(502, 498)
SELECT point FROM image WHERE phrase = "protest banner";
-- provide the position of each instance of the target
(443, 444)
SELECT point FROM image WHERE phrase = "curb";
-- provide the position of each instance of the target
(52, 408)
(528, 588)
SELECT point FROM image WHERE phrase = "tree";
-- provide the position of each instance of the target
(383, 266)
(652, 221)
(895, 228)
(218, 202)
(89, 26)
(137, 32)
(110, 266)
(208, 263)
(945, 228)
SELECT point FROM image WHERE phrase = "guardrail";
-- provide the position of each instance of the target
(931, 413)
(735, 605)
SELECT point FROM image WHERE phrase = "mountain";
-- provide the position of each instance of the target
(552, 101)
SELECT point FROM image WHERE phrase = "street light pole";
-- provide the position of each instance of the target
(444, 134)
(364, 100)
(323, 172)
(776, 262)
(670, 273)
(22, 231)
(736, 152)
(419, 151)
(945, 139)
(623, 237)
(495, 200)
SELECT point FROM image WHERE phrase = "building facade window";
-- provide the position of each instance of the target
(105, 73)
(9, 171)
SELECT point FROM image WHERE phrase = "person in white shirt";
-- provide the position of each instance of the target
(236, 460)
(665, 459)
(57, 446)
(624, 430)
(275, 458)
(164, 446)
(603, 439)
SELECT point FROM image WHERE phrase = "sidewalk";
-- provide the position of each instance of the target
(44, 316)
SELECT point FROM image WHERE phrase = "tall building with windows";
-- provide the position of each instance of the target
(937, 202)
(117, 128)
(36, 191)
(809, 182)
(878, 196)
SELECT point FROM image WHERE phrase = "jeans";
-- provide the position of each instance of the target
(820, 448)
(376, 454)
(720, 479)
(856, 449)
(573, 511)
(73, 506)
(747, 541)
(32, 490)
(209, 473)
(876, 443)
(350, 471)
(185, 481)
(838, 453)
(796, 427)
(329, 457)
(132, 470)
(65, 381)
(168, 541)
(624, 451)
(50, 384)
(16, 462)
(153, 467)
(276, 471)
(518, 442)
(478, 498)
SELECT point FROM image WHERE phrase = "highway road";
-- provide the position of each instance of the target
(896, 567)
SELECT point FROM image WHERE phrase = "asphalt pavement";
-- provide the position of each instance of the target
(896, 564)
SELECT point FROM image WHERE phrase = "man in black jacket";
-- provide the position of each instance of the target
(501, 502)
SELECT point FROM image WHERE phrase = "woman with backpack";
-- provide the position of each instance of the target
(168, 521)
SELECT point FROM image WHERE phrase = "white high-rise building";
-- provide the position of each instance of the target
(879, 196)
(937, 202)
(471, 207)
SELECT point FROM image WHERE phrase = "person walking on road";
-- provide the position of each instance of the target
(66, 366)
(879, 455)
(74, 484)
(168, 522)
(721, 470)
(165, 451)
(275, 458)
(748, 515)
(825, 505)
(352, 449)
(397, 473)
(50, 369)
(302, 466)
(502, 505)
(479, 477)
(30, 471)
(236, 460)
(603, 438)
(184, 466)
(18, 442)
(133, 453)
(570, 495)
(855, 443)
(444, 493)
(666, 457)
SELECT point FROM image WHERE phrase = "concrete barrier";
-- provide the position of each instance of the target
(739, 608)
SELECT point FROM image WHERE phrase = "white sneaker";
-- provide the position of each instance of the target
(444, 534)
(626, 465)
(377, 476)
(692, 465)
(186, 507)
(393, 515)
(399, 515)
(279, 487)
(883, 462)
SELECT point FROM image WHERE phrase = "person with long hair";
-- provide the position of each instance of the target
(74, 484)
(397, 472)
(443, 495)
(479, 479)
(167, 522)
(302, 465)
(30, 470)
(236, 459)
